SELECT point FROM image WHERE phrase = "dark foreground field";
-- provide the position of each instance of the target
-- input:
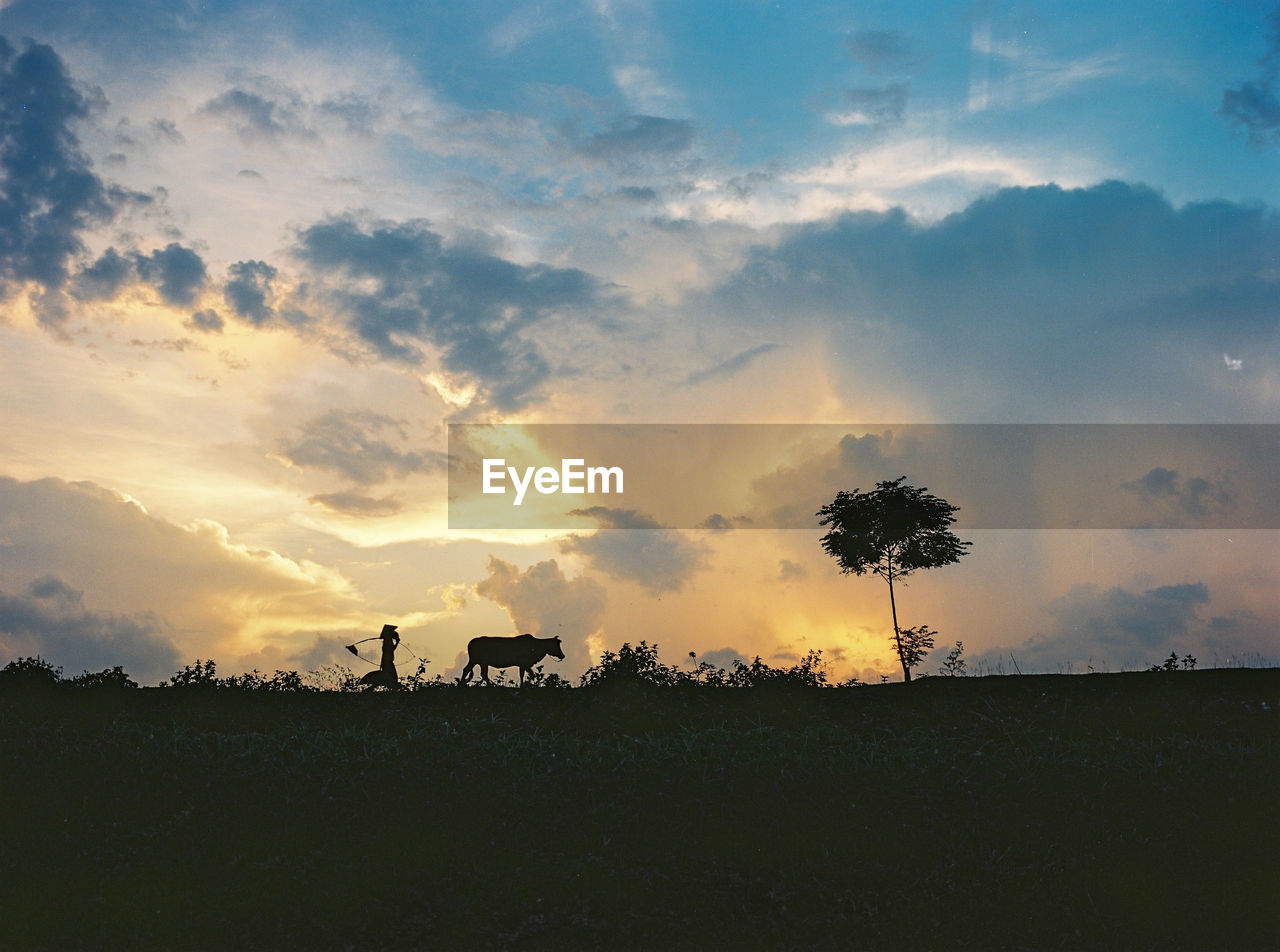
(1130, 811)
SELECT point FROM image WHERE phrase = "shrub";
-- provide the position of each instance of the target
(954, 665)
(912, 645)
(202, 674)
(255, 681)
(108, 678)
(1173, 663)
(333, 677)
(638, 665)
(807, 672)
(29, 673)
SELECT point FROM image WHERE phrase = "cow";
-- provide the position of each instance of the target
(523, 651)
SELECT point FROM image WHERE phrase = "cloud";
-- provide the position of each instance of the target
(255, 118)
(518, 28)
(401, 290)
(727, 368)
(206, 321)
(49, 194)
(878, 108)
(639, 194)
(1255, 105)
(50, 620)
(543, 602)
(357, 504)
(1197, 496)
(167, 130)
(627, 138)
(645, 88)
(722, 657)
(789, 571)
(1105, 297)
(617, 518)
(881, 50)
(633, 547)
(1011, 74)
(154, 587)
(353, 444)
(176, 272)
(1032, 476)
(356, 114)
(105, 278)
(1115, 627)
(716, 523)
(248, 291)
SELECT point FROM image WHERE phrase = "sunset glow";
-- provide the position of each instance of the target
(256, 258)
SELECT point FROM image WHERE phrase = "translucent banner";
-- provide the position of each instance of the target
(721, 477)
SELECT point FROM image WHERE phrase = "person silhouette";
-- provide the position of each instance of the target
(386, 673)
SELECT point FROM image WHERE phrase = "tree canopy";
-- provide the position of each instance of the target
(891, 531)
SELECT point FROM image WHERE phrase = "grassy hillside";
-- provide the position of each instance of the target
(1126, 811)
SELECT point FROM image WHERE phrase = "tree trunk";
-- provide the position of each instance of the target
(897, 633)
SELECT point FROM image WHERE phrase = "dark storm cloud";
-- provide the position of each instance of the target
(1096, 294)
(355, 444)
(248, 291)
(399, 287)
(50, 620)
(1255, 105)
(661, 560)
(48, 192)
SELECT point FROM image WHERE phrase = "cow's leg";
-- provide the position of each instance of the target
(522, 673)
(484, 673)
(467, 671)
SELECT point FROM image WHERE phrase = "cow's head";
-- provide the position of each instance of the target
(555, 650)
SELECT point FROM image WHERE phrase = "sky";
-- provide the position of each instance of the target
(256, 258)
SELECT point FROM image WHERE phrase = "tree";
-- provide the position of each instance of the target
(891, 531)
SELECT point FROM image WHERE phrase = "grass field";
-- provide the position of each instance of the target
(1106, 811)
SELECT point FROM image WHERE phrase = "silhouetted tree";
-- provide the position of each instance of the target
(891, 531)
(107, 679)
(638, 665)
(29, 673)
